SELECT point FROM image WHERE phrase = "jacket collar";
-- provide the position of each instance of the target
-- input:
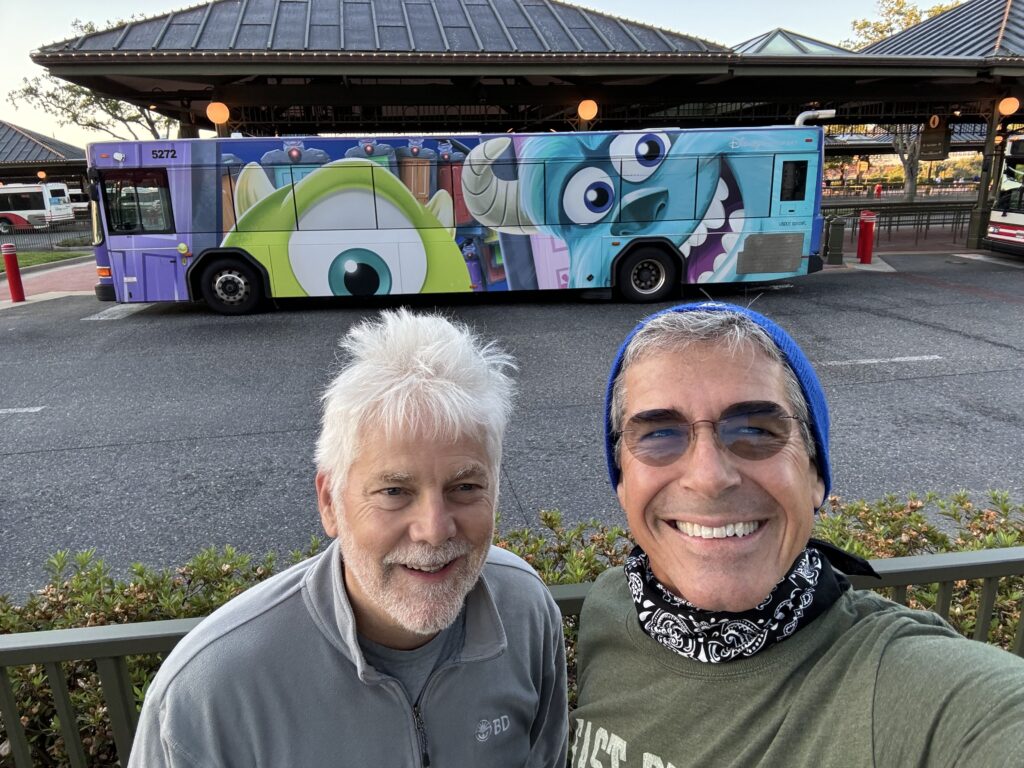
(326, 599)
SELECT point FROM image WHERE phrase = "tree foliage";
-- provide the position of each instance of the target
(893, 16)
(72, 104)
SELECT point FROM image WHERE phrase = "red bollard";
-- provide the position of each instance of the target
(878, 191)
(866, 236)
(12, 271)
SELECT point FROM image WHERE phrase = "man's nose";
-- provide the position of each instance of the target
(433, 522)
(707, 467)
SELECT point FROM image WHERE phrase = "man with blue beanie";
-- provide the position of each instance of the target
(731, 638)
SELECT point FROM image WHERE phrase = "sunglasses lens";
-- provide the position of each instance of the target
(750, 434)
(658, 445)
(755, 435)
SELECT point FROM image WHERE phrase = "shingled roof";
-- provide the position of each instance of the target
(782, 42)
(19, 145)
(385, 26)
(978, 28)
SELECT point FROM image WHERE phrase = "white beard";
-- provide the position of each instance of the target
(424, 609)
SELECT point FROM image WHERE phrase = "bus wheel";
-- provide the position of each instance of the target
(648, 274)
(6, 227)
(231, 287)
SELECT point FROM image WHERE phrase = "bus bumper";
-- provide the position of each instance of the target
(1006, 246)
(105, 291)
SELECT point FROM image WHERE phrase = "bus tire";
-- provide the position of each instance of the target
(6, 227)
(647, 275)
(231, 287)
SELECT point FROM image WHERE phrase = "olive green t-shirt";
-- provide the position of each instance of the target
(869, 683)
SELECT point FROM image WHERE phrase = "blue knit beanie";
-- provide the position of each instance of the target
(791, 353)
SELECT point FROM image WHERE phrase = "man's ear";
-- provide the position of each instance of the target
(620, 492)
(328, 516)
(819, 487)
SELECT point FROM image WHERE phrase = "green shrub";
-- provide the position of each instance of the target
(81, 592)
(78, 241)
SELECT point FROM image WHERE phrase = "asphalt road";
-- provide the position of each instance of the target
(173, 428)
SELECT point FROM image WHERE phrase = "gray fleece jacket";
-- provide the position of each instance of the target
(276, 678)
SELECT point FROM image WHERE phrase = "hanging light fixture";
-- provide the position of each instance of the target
(218, 112)
(1008, 106)
(587, 109)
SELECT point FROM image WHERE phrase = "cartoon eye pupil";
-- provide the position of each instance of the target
(359, 272)
(649, 150)
(598, 196)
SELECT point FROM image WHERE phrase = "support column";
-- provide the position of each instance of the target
(978, 224)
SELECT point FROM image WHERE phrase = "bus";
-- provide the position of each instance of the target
(33, 206)
(243, 220)
(1006, 221)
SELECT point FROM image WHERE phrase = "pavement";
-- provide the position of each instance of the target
(43, 282)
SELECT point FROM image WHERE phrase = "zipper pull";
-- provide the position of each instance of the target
(421, 736)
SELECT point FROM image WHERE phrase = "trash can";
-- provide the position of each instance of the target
(834, 231)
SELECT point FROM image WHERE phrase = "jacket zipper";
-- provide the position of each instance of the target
(421, 735)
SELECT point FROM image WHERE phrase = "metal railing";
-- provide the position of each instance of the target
(109, 645)
(73, 234)
(923, 217)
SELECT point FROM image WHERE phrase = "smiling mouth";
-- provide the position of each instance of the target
(729, 530)
(427, 568)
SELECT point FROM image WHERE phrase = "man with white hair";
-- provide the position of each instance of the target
(410, 641)
(730, 638)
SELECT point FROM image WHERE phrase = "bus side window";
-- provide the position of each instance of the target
(794, 180)
(756, 173)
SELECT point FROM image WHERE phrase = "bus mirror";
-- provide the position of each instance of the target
(94, 176)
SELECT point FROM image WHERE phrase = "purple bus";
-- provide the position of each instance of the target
(241, 221)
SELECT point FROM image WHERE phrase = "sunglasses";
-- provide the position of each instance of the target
(752, 431)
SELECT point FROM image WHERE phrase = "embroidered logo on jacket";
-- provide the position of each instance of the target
(487, 728)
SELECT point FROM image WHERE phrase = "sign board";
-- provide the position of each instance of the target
(935, 139)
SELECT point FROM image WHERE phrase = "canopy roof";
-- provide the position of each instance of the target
(782, 42)
(976, 28)
(22, 146)
(383, 27)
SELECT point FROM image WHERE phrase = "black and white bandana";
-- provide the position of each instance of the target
(804, 593)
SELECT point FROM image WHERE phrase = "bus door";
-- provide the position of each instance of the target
(792, 195)
(142, 244)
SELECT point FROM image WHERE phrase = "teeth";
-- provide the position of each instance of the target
(715, 216)
(700, 234)
(720, 532)
(426, 568)
(736, 220)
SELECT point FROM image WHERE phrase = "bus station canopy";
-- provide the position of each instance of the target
(320, 66)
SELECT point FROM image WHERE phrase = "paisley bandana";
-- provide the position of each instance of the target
(804, 593)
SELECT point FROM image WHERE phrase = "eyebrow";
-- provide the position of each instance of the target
(662, 415)
(467, 471)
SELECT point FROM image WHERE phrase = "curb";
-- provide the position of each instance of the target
(51, 265)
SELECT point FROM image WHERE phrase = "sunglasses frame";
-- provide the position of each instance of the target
(691, 426)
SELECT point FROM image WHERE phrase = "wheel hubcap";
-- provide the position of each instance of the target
(647, 276)
(231, 287)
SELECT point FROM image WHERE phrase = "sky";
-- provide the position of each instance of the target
(31, 24)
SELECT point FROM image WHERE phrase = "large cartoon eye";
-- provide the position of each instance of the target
(639, 154)
(588, 196)
(359, 272)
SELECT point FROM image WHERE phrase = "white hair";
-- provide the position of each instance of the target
(413, 374)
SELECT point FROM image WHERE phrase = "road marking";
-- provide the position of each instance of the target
(880, 361)
(118, 311)
(989, 259)
(36, 409)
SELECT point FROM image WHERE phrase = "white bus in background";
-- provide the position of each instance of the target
(33, 206)
(79, 202)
